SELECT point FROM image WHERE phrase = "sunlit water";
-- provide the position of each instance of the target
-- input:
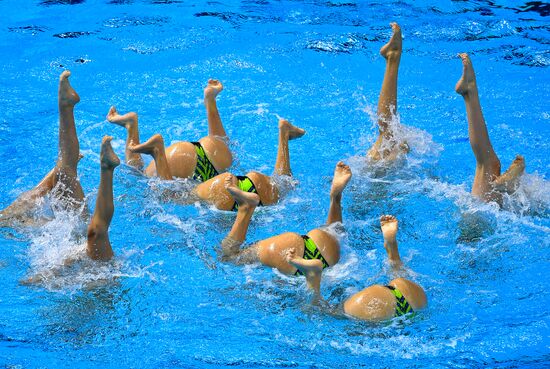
(166, 301)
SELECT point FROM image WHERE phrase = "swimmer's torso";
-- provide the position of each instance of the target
(214, 192)
(271, 251)
(377, 302)
(182, 157)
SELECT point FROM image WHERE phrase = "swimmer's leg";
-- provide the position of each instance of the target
(247, 203)
(211, 91)
(155, 147)
(312, 269)
(68, 143)
(98, 246)
(342, 175)
(488, 164)
(130, 122)
(387, 101)
(509, 181)
(389, 225)
(20, 209)
(215, 144)
(286, 132)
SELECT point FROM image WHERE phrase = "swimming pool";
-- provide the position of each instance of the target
(166, 301)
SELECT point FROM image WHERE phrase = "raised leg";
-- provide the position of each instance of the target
(130, 122)
(385, 147)
(99, 246)
(71, 190)
(68, 140)
(155, 147)
(389, 226)
(247, 203)
(211, 91)
(286, 132)
(342, 175)
(312, 269)
(509, 181)
(387, 101)
(488, 164)
(20, 210)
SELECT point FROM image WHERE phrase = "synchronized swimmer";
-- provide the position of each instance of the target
(207, 161)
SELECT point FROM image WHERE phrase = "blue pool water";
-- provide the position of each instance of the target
(165, 301)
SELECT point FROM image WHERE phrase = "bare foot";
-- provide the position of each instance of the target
(293, 131)
(126, 120)
(517, 166)
(245, 200)
(389, 225)
(509, 181)
(467, 82)
(392, 50)
(67, 94)
(212, 90)
(290, 254)
(312, 266)
(342, 175)
(107, 157)
(152, 146)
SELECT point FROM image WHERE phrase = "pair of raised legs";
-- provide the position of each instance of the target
(377, 302)
(98, 246)
(62, 181)
(271, 251)
(387, 147)
(489, 184)
(180, 158)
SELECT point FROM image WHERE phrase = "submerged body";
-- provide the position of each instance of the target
(377, 302)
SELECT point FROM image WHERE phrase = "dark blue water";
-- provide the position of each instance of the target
(165, 301)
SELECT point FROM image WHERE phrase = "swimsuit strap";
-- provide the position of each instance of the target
(402, 306)
(204, 170)
(311, 252)
(245, 184)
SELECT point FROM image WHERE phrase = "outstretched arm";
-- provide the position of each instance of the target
(312, 269)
